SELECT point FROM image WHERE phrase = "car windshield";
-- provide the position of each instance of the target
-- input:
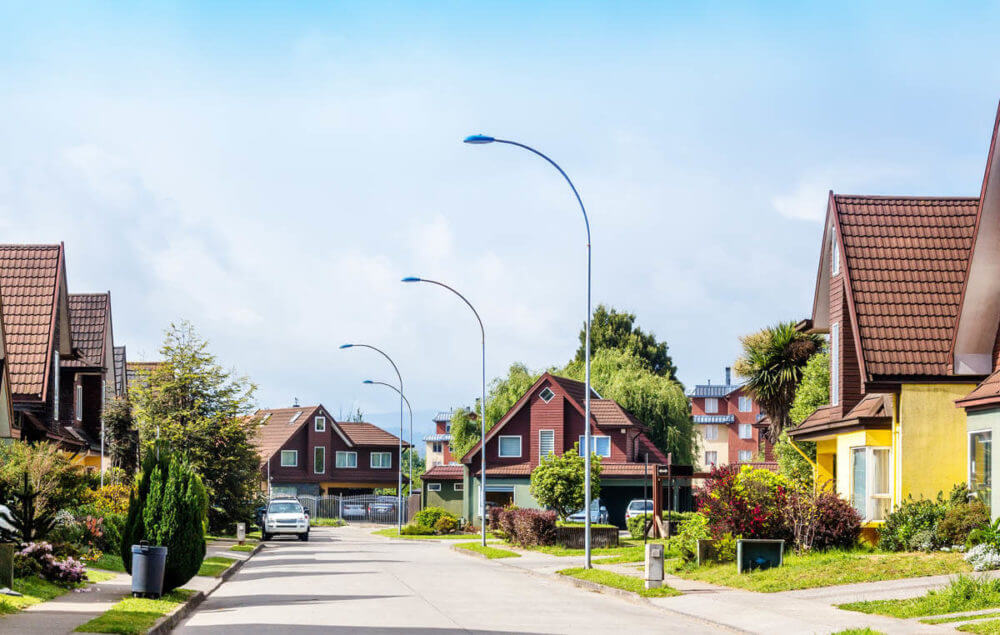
(637, 506)
(284, 508)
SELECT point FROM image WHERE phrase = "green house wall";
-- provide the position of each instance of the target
(447, 498)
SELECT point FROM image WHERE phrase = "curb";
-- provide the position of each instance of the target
(469, 552)
(167, 623)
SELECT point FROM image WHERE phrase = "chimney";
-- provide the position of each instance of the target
(727, 375)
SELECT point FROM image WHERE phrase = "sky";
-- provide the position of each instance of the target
(269, 171)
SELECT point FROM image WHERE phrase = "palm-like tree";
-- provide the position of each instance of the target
(772, 364)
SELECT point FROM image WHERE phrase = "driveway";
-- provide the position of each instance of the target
(346, 580)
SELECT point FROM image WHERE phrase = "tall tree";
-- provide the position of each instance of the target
(610, 328)
(201, 411)
(772, 365)
(656, 400)
(122, 436)
(813, 392)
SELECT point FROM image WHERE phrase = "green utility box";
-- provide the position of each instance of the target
(753, 554)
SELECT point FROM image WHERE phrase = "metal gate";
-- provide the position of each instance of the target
(361, 508)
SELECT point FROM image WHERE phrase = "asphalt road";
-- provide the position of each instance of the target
(346, 581)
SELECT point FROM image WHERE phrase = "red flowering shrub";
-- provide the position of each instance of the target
(838, 525)
(525, 527)
(745, 502)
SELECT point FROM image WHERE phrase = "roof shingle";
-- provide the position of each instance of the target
(363, 433)
(89, 315)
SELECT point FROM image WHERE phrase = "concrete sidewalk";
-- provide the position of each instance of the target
(66, 612)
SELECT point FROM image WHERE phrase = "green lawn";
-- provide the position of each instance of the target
(250, 535)
(243, 548)
(135, 615)
(858, 631)
(989, 627)
(958, 618)
(97, 575)
(962, 594)
(488, 551)
(35, 590)
(826, 569)
(326, 522)
(619, 581)
(109, 562)
(214, 566)
(392, 532)
(629, 550)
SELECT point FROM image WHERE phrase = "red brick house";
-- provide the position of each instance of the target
(304, 451)
(549, 418)
(438, 451)
(729, 427)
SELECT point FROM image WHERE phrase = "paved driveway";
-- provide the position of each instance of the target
(345, 580)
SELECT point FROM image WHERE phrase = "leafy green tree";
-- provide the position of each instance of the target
(201, 412)
(418, 470)
(610, 328)
(465, 433)
(656, 400)
(122, 436)
(503, 393)
(558, 482)
(813, 392)
(772, 365)
(28, 521)
(52, 475)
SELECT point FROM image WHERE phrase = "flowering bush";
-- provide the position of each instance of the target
(745, 502)
(983, 557)
(38, 558)
(111, 499)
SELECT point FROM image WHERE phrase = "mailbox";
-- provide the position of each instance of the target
(654, 565)
(241, 532)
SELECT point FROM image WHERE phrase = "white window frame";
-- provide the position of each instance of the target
(745, 404)
(835, 363)
(551, 394)
(459, 487)
(371, 460)
(319, 424)
(744, 453)
(294, 454)
(711, 432)
(968, 459)
(500, 452)
(345, 453)
(437, 447)
(434, 487)
(870, 495)
(715, 454)
(711, 405)
(78, 399)
(315, 448)
(749, 429)
(593, 439)
(541, 455)
(834, 256)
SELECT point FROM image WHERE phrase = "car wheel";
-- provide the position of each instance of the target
(265, 536)
(304, 537)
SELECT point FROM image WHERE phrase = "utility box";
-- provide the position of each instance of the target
(241, 532)
(654, 565)
(752, 554)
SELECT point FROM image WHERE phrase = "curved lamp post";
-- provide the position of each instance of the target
(482, 446)
(410, 453)
(479, 139)
(399, 489)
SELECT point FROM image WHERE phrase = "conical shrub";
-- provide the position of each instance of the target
(135, 528)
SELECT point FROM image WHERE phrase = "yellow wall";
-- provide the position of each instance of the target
(878, 438)
(932, 438)
(825, 458)
(720, 445)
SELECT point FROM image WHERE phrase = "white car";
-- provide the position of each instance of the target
(638, 507)
(285, 518)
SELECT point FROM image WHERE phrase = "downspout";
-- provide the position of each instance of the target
(808, 460)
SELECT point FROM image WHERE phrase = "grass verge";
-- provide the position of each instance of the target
(243, 548)
(826, 569)
(326, 522)
(250, 535)
(214, 566)
(629, 550)
(965, 593)
(958, 618)
(619, 581)
(392, 532)
(135, 615)
(490, 552)
(989, 627)
(97, 575)
(858, 631)
(108, 562)
(34, 589)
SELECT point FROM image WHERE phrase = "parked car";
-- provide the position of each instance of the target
(638, 507)
(354, 510)
(598, 514)
(382, 509)
(284, 518)
(258, 516)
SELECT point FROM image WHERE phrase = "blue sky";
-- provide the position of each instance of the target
(270, 171)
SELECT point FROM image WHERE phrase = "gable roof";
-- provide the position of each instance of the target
(874, 411)
(121, 382)
(986, 393)
(89, 321)
(32, 287)
(905, 260)
(277, 427)
(362, 433)
(443, 473)
(713, 390)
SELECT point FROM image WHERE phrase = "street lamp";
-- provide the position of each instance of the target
(399, 489)
(482, 446)
(480, 139)
(410, 453)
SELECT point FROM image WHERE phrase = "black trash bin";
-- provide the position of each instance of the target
(148, 564)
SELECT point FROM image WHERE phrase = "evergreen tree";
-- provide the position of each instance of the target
(610, 328)
(134, 530)
(122, 436)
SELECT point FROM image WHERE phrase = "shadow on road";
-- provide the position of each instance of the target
(262, 575)
(217, 603)
(244, 629)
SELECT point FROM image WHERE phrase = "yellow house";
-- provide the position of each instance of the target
(908, 290)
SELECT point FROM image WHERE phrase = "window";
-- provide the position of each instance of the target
(870, 494)
(459, 487)
(78, 403)
(510, 446)
(294, 417)
(434, 487)
(601, 446)
(381, 460)
(546, 395)
(835, 256)
(746, 431)
(745, 456)
(55, 379)
(447, 428)
(711, 458)
(835, 363)
(546, 443)
(711, 432)
(289, 458)
(346, 459)
(980, 464)
(746, 404)
(711, 405)
(319, 460)
(437, 447)
(320, 424)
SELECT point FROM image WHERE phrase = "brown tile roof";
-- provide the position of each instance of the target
(575, 389)
(986, 393)
(444, 473)
(906, 261)
(874, 410)
(362, 433)
(521, 469)
(277, 426)
(121, 384)
(89, 320)
(29, 286)
(631, 470)
(607, 412)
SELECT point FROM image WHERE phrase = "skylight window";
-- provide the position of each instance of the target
(546, 395)
(294, 417)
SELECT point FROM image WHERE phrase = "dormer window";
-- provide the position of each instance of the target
(834, 257)
(320, 424)
(546, 395)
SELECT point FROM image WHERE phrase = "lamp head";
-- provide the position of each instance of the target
(367, 381)
(479, 139)
(411, 279)
(346, 345)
